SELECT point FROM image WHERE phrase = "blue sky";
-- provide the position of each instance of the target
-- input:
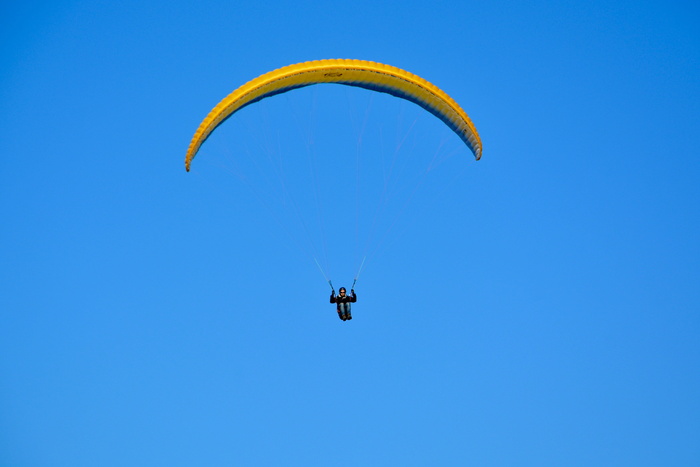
(538, 307)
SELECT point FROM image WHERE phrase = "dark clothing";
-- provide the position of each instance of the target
(344, 304)
(351, 297)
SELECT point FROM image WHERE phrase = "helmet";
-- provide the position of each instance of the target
(342, 289)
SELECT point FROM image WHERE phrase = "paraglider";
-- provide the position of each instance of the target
(359, 73)
(343, 302)
(365, 74)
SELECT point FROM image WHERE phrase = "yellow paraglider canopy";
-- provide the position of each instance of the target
(361, 73)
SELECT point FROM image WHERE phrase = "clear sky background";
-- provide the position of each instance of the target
(537, 307)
